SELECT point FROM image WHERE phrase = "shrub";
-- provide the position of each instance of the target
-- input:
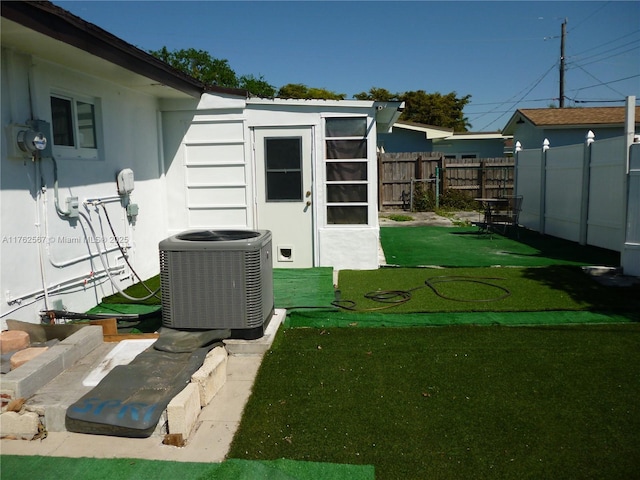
(457, 200)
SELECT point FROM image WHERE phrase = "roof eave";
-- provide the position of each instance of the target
(57, 23)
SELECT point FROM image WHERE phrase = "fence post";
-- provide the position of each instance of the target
(437, 187)
(482, 179)
(543, 183)
(445, 183)
(380, 183)
(418, 167)
(411, 189)
(517, 151)
(586, 180)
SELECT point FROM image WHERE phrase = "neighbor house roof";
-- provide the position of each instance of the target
(43, 18)
(436, 133)
(569, 117)
(430, 131)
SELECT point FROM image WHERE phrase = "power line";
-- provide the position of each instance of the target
(612, 56)
(530, 88)
(591, 50)
(604, 84)
(520, 99)
(589, 16)
(612, 81)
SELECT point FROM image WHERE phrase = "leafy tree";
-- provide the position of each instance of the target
(421, 107)
(436, 109)
(257, 86)
(299, 90)
(200, 65)
(378, 95)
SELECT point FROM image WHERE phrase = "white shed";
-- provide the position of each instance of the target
(304, 169)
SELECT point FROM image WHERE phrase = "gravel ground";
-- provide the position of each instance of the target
(425, 218)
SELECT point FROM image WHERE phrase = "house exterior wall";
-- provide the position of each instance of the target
(488, 148)
(49, 262)
(400, 140)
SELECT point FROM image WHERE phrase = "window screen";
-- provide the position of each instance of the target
(346, 167)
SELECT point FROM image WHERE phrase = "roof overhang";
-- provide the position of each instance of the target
(43, 30)
(516, 119)
(430, 132)
(478, 136)
(387, 113)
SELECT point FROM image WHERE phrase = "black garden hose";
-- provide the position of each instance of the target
(393, 298)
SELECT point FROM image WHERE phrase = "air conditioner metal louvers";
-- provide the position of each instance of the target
(217, 280)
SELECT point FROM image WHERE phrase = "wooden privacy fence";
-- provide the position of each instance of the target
(476, 177)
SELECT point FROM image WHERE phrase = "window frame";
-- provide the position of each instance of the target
(358, 206)
(76, 150)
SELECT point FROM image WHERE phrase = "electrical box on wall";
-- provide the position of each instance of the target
(33, 138)
(124, 181)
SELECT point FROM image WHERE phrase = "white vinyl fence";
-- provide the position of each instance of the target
(576, 192)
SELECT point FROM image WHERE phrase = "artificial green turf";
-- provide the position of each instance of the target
(293, 287)
(325, 319)
(137, 290)
(18, 467)
(464, 247)
(451, 402)
(557, 287)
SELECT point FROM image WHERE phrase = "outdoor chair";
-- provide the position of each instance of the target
(508, 218)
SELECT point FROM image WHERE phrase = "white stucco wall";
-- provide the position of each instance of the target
(41, 251)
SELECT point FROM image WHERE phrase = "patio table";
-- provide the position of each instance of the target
(489, 207)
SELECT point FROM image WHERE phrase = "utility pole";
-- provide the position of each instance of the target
(562, 67)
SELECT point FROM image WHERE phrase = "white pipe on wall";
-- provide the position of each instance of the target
(71, 261)
(69, 283)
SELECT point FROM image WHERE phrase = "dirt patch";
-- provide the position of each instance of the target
(385, 218)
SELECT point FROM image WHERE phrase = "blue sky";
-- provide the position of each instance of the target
(504, 54)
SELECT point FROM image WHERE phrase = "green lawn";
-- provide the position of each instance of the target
(463, 247)
(515, 289)
(453, 402)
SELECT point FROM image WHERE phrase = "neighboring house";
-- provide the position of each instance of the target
(566, 126)
(417, 137)
(136, 151)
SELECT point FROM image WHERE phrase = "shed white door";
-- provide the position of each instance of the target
(284, 182)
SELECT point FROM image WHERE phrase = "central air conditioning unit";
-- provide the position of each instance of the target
(217, 279)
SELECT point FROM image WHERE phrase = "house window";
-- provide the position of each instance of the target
(283, 169)
(74, 126)
(346, 171)
(461, 156)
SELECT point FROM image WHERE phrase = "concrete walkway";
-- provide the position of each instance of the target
(211, 436)
(210, 442)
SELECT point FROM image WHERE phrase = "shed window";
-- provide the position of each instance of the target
(346, 161)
